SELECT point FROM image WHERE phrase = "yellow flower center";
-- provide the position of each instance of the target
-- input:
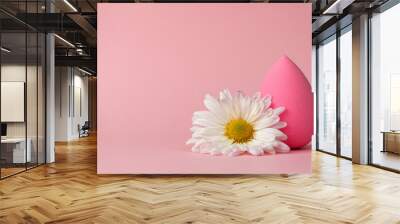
(239, 130)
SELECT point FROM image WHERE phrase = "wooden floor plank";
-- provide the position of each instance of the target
(70, 191)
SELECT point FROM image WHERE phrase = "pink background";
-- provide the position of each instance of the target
(157, 61)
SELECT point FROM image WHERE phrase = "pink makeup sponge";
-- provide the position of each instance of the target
(289, 88)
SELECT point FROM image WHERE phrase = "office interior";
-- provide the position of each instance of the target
(22, 100)
(28, 45)
(48, 90)
(334, 91)
(26, 64)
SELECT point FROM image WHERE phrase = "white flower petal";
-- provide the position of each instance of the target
(265, 122)
(279, 135)
(214, 107)
(257, 96)
(267, 101)
(264, 136)
(279, 110)
(208, 130)
(279, 125)
(234, 153)
(256, 151)
(281, 147)
(225, 95)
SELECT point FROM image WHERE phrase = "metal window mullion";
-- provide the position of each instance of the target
(37, 91)
(26, 87)
(317, 96)
(45, 92)
(338, 73)
(369, 91)
(0, 95)
(73, 92)
(69, 91)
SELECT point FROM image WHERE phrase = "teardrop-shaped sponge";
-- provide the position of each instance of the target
(289, 88)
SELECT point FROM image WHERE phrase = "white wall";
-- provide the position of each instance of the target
(62, 82)
(34, 126)
(15, 72)
(79, 117)
(70, 83)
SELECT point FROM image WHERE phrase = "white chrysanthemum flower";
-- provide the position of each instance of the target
(237, 124)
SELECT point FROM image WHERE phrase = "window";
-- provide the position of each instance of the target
(385, 89)
(346, 93)
(334, 94)
(327, 96)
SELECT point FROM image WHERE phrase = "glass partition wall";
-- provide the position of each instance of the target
(22, 93)
(334, 93)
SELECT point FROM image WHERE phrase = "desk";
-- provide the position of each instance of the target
(391, 141)
(13, 150)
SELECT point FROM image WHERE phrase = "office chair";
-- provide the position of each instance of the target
(84, 130)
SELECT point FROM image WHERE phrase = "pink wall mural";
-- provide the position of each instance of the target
(156, 62)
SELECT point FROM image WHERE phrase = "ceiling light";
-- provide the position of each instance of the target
(70, 5)
(5, 50)
(84, 71)
(79, 51)
(338, 6)
(65, 41)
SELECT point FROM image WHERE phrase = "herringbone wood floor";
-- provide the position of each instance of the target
(69, 191)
